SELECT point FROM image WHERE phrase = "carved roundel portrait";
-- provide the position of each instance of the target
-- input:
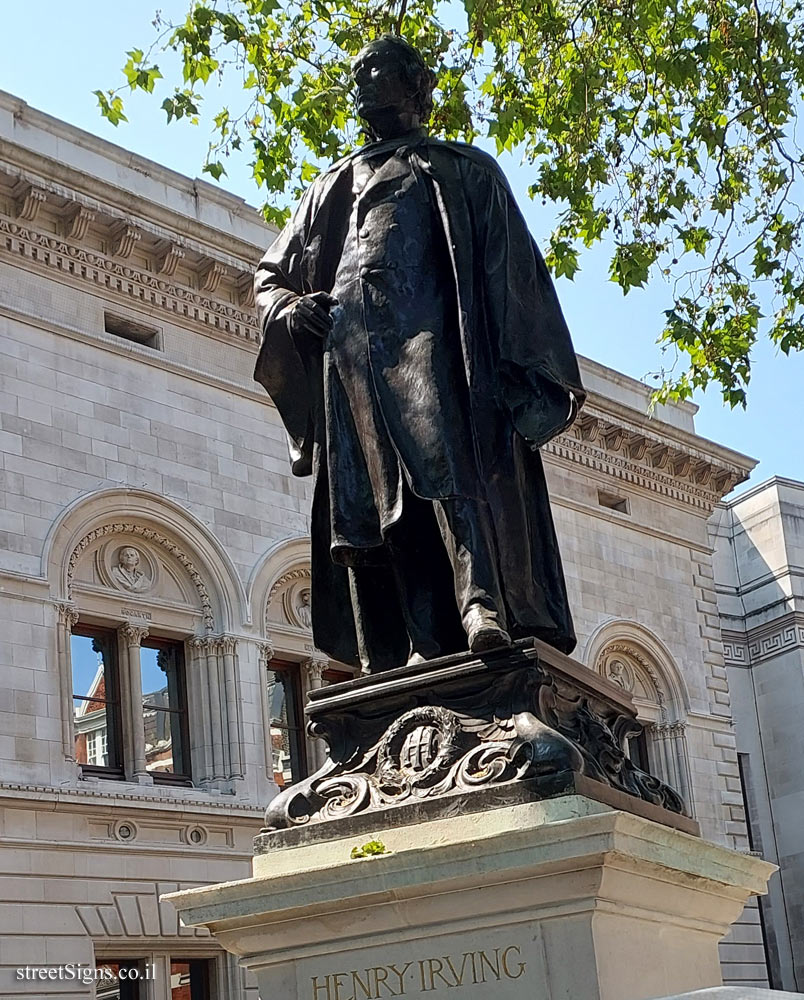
(296, 602)
(127, 568)
(620, 673)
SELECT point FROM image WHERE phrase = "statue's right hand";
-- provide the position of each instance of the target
(310, 314)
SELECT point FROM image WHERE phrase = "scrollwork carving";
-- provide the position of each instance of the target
(525, 722)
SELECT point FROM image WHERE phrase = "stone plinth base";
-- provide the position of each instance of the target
(563, 899)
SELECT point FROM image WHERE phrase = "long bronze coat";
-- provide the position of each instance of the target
(519, 386)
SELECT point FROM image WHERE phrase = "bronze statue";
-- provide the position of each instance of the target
(417, 354)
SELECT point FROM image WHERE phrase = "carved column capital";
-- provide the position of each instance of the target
(203, 644)
(133, 634)
(266, 650)
(315, 668)
(68, 614)
(227, 644)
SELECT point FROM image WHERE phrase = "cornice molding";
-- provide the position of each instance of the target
(608, 437)
(63, 258)
(68, 181)
(196, 802)
(637, 457)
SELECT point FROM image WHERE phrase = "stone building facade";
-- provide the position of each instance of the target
(154, 596)
(759, 552)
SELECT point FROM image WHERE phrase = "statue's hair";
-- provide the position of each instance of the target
(420, 77)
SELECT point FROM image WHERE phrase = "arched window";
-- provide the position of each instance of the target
(630, 656)
(150, 680)
(280, 596)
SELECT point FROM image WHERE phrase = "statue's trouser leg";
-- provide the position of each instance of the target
(468, 536)
(382, 640)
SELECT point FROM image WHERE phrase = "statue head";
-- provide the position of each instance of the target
(393, 87)
(129, 558)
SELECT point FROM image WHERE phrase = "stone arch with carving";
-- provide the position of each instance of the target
(631, 655)
(655, 674)
(158, 524)
(278, 584)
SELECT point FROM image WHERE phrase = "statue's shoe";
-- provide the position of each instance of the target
(483, 630)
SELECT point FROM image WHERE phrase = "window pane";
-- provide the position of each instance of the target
(154, 681)
(91, 733)
(286, 734)
(94, 700)
(163, 709)
(160, 672)
(163, 742)
(189, 979)
(637, 749)
(118, 980)
(90, 658)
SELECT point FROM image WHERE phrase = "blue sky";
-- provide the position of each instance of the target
(55, 54)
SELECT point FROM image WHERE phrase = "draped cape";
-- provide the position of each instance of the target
(523, 382)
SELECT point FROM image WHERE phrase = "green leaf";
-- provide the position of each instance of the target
(111, 106)
(215, 168)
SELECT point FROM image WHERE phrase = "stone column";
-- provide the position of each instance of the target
(314, 669)
(669, 759)
(198, 703)
(678, 735)
(217, 706)
(660, 766)
(132, 639)
(266, 653)
(231, 692)
(68, 616)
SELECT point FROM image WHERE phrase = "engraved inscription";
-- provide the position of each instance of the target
(136, 613)
(420, 976)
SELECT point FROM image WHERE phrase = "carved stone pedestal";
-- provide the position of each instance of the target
(522, 856)
(559, 899)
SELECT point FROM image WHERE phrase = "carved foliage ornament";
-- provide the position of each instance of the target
(524, 723)
(156, 538)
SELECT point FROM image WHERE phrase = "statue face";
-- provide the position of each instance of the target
(129, 558)
(381, 84)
